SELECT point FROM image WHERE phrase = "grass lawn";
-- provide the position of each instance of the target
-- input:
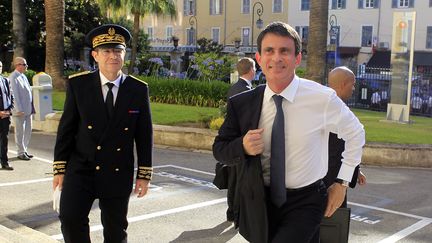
(419, 132)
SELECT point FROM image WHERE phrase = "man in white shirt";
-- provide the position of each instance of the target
(310, 111)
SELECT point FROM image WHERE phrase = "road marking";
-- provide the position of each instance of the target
(407, 231)
(35, 157)
(390, 211)
(25, 182)
(189, 169)
(157, 214)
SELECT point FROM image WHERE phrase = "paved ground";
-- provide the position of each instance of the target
(183, 205)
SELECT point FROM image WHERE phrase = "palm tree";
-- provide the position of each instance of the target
(54, 18)
(317, 41)
(139, 8)
(19, 28)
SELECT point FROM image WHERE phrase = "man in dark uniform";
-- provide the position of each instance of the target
(6, 105)
(106, 112)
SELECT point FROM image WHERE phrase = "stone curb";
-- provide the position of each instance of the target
(13, 232)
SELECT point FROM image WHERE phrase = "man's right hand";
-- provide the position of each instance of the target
(58, 181)
(253, 142)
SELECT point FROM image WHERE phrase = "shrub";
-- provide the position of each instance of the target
(216, 123)
(186, 92)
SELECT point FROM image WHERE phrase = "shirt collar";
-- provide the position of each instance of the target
(247, 81)
(116, 82)
(288, 93)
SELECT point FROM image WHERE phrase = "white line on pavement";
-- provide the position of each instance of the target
(407, 231)
(390, 211)
(25, 182)
(157, 214)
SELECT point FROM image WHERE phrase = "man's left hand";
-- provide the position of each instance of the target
(336, 196)
(141, 187)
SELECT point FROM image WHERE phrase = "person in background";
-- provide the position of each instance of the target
(246, 70)
(23, 107)
(342, 80)
(6, 105)
(106, 113)
(278, 135)
(416, 103)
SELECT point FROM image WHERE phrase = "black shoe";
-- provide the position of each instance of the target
(23, 157)
(6, 167)
(29, 155)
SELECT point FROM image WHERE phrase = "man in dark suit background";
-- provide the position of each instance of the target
(106, 112)
(287, 204)
(246, 70)
(6, 105)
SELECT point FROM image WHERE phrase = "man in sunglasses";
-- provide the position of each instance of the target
(23, 107)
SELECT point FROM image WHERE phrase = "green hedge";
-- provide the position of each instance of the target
(187, 92)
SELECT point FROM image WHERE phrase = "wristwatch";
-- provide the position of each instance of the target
(342, 182)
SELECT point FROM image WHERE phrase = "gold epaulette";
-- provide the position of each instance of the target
(145, 172)
(78, 74)
(59, 167)
(137, 79)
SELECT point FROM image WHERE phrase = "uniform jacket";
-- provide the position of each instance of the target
(335, 149)
(87, 142)
(240, 86)
(228, 149)
(22, 93)
(8, 92)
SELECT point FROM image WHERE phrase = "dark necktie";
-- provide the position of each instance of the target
(277, 157)
(109, 100)
(2, 86)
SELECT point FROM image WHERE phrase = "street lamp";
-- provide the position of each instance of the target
(259, 22)
(193, 21)
(333, 33)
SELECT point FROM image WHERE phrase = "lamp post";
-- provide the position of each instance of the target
(333, 33)
(259, 22)
(193, 21)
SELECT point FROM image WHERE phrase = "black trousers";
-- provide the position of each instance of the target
(77, 197)
(299, 218)
(4, 131)
(232, 183)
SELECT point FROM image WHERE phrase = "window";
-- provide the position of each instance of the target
(429, 37)
(189, 7)
(215, 7)
(215, 34)
(277, 6)
(169, 32)
(338, 4)
(403, 3)
(303, 32)
(430, 3)
(150, 33)
(190, 36)
(305, 5)
(246, 6)
(245, 36)
(366, 36)
(368, 3)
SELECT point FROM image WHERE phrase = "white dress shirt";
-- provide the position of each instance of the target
(114, 89)
(311, 111)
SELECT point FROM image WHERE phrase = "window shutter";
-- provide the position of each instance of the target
(194, 7)
(333, 6)
(394, 4)
(411, 3)
(221, 6)
(360, 4)
(376, 3)
(185, 7)
(211, 7)
(343, 4)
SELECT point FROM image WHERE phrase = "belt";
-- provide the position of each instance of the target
(314, 185)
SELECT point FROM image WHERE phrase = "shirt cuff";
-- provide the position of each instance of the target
(145, 172)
